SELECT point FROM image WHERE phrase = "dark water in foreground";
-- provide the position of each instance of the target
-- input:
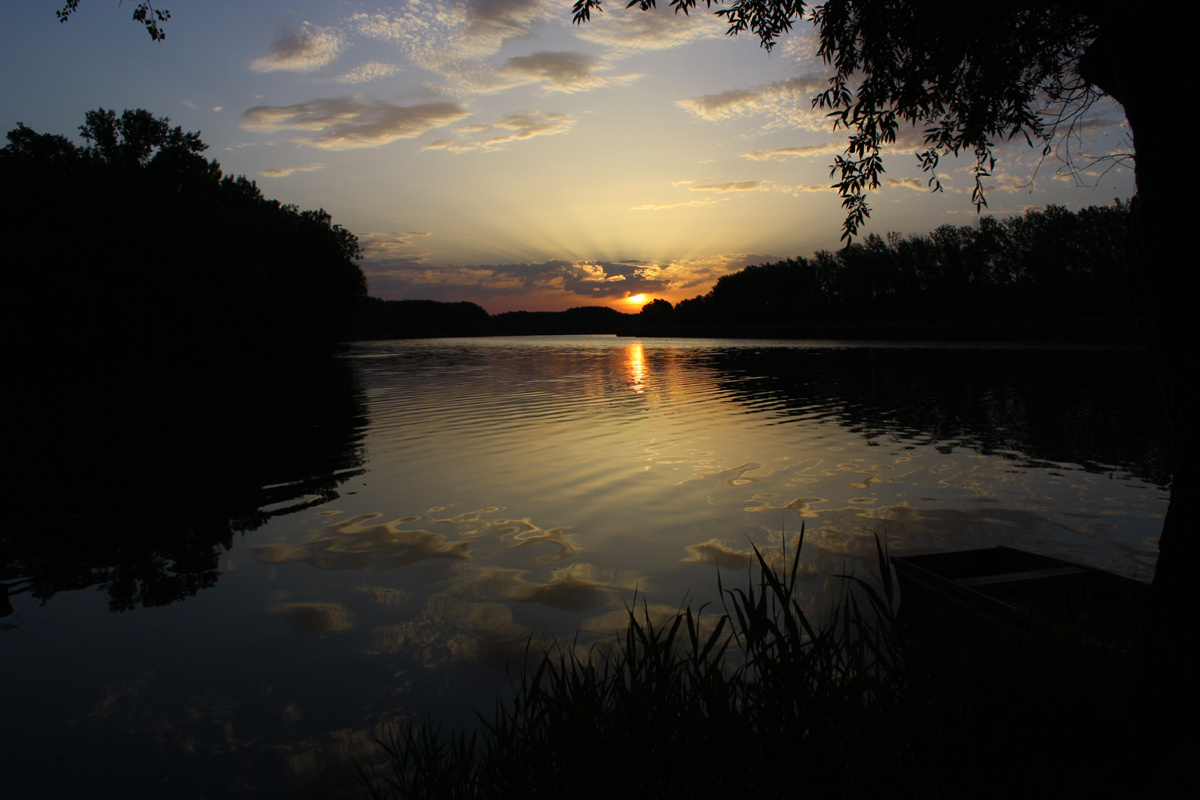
(245, 598)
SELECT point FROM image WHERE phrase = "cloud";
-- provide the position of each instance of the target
(454, 41)
(574, 281)
(387, 251)
(345, 123)
(785, 102)
(303, 49)
(736, 186)
(707, 201)
(905, 183)
(784, 153)
(806, 188)
(635, 31)
(560, 71)
(729, 188)
(772, 186)
(510, 128)
(372, 70)
(285, 171)
(593, 280)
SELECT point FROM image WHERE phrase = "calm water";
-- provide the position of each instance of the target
(462, 496)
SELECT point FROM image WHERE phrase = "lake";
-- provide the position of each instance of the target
(245, 597)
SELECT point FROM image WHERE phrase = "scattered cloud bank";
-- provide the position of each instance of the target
(302, 49)
(455, 41)
(346, 123)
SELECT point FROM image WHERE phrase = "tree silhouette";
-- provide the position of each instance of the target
(976, 75)
(158, 254)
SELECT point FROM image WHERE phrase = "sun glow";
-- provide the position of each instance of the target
(636, 299)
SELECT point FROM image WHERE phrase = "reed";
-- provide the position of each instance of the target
(761, 697)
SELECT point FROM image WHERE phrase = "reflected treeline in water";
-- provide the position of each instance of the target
(136, 482)
(1095, 408)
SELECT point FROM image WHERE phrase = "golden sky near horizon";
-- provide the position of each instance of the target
(490, 151)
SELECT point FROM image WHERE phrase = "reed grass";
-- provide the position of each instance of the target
(762, 698)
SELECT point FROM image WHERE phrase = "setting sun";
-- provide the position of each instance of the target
(637, 298)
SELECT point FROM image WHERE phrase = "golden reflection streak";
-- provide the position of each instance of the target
(636, 357)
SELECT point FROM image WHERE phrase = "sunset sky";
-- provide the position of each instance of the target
(490, 151)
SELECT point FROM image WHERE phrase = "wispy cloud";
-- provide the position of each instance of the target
(302, 49)
(508, 129)
(285, 171)
(635, 31)
(788, 101)
(345, 123)
(735, 186)
(905, 183)
(370, 71)
(386, 250)
(784, 153)
(729, 188)
(707, 201)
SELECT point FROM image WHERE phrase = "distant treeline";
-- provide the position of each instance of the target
(1044, 269)
(134, 247)
(1050, 274)
(400, 319)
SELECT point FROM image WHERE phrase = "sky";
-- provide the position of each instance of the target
(491, 151)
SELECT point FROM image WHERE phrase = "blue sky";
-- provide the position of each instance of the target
(490, 151)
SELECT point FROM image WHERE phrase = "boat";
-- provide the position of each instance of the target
(1019, 590)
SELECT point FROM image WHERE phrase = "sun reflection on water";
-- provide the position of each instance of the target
(636, 367)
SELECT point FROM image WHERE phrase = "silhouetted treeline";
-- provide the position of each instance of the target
(1046, 268)
(581, 320)
(400, 319)
(134, 246)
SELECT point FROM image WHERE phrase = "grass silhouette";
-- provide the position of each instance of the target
(762, 698)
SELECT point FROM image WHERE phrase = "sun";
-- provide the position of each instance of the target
(637, 298)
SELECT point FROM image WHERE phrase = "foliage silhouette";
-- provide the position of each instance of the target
(160, 253)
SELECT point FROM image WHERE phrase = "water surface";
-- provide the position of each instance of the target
(468, 497)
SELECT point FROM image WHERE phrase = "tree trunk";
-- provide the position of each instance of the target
(1148, 72)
